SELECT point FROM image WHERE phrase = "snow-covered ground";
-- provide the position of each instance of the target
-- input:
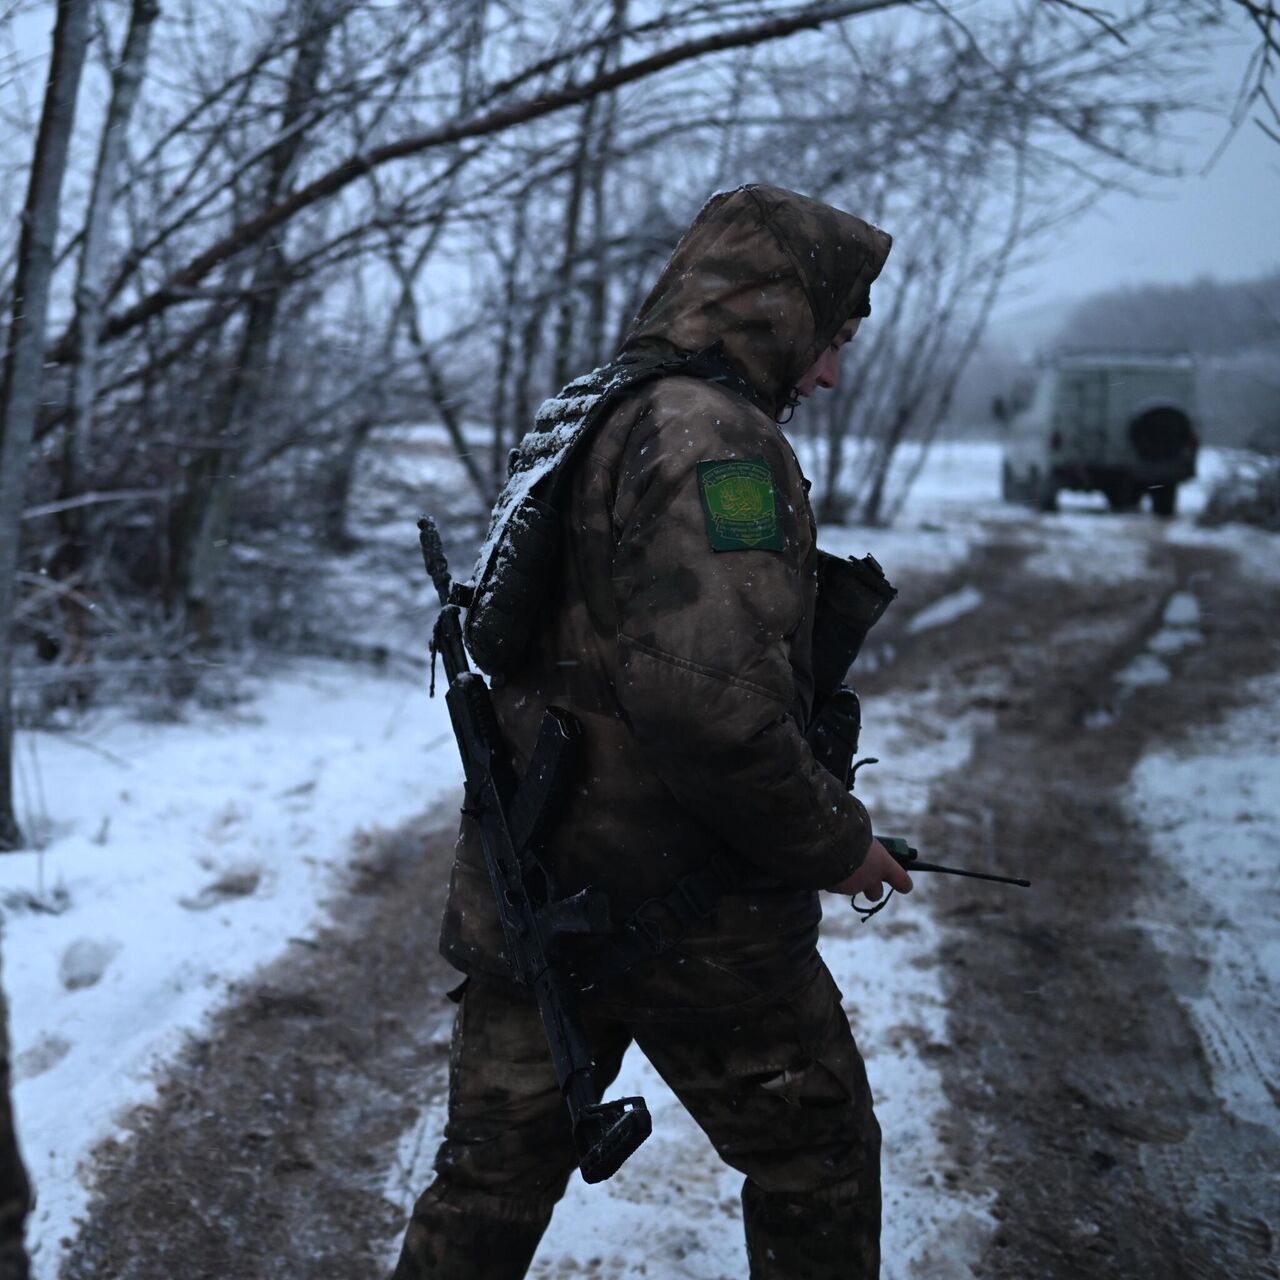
(1213, 813)
(180, 856)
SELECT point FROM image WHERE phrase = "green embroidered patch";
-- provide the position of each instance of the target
(741, 505)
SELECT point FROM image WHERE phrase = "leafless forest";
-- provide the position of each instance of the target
(252, 236)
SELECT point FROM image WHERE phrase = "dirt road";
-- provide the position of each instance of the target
(273, 1137)
(1082, 1097)
(1081, 1091)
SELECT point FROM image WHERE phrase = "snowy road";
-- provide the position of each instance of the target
(1110, 1057)
(1047, 696)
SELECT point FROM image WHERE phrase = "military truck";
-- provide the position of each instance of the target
(1124, 424)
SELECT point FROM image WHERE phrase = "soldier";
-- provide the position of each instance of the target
(678, 633)
(15, 1190)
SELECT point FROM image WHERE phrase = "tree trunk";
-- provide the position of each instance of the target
(205, 529)
(125, 81)
(204, 532)
(499, 407)
(448, 410)
(563, 341)
(530, 348)
(78, 524)
(20, 381)
(888, 449)
(597, 288)
(437, 388)
(586, 158)
(337, 487)
(832, 506)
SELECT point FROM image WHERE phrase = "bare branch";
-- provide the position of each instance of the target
(1100, 16)
(356, 166)
(94, 499)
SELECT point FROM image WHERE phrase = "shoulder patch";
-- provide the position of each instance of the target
(740, 503)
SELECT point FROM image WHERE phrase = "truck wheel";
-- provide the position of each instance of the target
(1164, 500)
(1122, 495)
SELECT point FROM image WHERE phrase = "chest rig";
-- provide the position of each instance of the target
(517, 559)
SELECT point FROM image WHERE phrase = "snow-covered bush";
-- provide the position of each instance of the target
(1248, 493)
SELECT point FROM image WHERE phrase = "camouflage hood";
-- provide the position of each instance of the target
(770, 276)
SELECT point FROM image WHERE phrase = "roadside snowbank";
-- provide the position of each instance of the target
(180, 857)
(1211, 809)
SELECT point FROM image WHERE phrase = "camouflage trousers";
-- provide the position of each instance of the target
(781, 1093)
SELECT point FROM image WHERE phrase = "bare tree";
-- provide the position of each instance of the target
(291, 232)
(1256, 94)
(211, 480)
(20, 382)
(996, 108)
(180, 284)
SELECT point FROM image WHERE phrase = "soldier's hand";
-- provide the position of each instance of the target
(878, 869)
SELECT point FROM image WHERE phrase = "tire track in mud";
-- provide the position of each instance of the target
(1082, 1091)
(274, 1133)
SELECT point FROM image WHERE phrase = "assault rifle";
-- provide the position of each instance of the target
(513, 815)
(852, 596)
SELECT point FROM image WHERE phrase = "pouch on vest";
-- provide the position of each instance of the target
(852, 596)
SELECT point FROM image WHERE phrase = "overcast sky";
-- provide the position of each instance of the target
(1225, 223)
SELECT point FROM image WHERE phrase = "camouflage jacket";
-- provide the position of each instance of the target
(678, 630)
